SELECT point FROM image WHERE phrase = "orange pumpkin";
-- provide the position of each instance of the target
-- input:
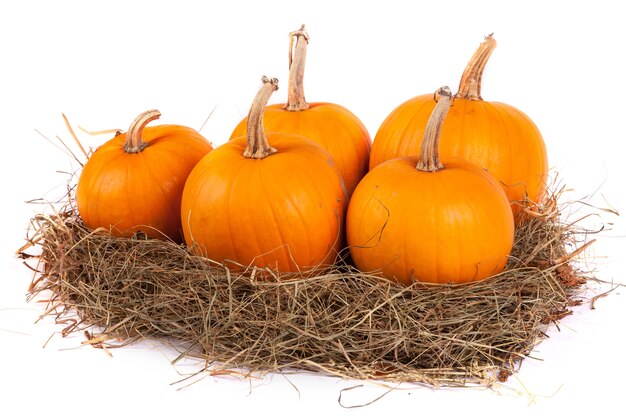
(494, 135)
(332, 126)
(418, 219)
(274, 200)
(134, 182)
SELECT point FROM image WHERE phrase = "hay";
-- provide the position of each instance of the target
(344, 322)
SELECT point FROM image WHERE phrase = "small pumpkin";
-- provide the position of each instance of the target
(496, 136)
(418, 219)
(134, 182)
(332, 126)
(272, 200)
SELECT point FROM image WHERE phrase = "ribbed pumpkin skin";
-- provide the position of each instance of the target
(127, 192)
(330, 125)
(496, 136)
(284, 211)
(454, 225)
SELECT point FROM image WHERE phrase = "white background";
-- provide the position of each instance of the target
(102, 63)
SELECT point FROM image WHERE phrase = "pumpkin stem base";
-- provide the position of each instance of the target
(134, 143)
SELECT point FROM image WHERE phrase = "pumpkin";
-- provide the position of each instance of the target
(134, 181)
(272, 200)
(332, 126)
(496, 136)
(417, 218)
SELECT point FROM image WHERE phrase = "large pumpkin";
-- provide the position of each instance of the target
(496, 136)
(418, 219)
(134, 182)
(274, 200)
(332, 126)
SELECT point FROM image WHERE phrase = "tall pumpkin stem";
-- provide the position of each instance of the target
(257, 146)
(429, 152)
(469, 87)
(134, 143)
(298, 42)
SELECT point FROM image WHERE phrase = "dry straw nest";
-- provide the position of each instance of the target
(342, 322)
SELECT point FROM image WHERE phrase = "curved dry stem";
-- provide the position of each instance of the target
(257, 146)
(298, 42)
(134, 143)
(469, 87)
(429, 152)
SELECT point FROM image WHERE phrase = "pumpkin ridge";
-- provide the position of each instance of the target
(174, 206)
(302, 216)
(487, 126)
(318, 192)
(509, 132)
(460, 128)
(445, 218)
(537, 182)
(261, 205)
(130, 195)
(476, 210)
(493, 186)
(408, 262)
(440, 194)
(416, 119)
(333, 145)
(377, 236)
(285, 248)
(97, 180)
(121, 165)
(233, 190)
(500, 131)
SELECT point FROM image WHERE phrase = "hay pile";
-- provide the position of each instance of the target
(344, 322)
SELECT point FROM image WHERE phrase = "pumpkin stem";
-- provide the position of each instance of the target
(469, 87)
(134, 143)
(258, 147)
(298, 42)
(429, 152)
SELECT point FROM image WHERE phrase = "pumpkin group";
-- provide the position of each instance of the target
(421, 219)
(276, 194)
(495, 136)
(272, 200)
(134, 182)
(332, 126)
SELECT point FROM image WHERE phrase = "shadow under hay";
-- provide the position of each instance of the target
(343, 322)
